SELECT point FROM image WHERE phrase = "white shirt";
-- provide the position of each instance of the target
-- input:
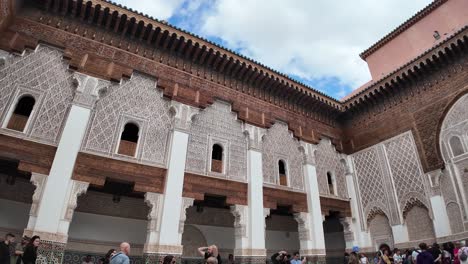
(363, 260)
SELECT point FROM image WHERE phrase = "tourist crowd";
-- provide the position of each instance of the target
(25, 252)
(449, 253)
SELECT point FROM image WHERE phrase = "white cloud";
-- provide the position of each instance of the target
(160, 9)
(314, 40)
(311, 39)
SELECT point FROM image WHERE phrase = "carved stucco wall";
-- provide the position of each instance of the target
(419, 223)
(217, 125)
(279, 144)
(381, 231)
(329, 160)
(390, 179)
(454, 188)
(43, 74)
(139, 101)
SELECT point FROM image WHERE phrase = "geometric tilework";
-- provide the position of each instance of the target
(217, 124)
(279, 144)
(137, 100)
(329, 160)
(44, 73)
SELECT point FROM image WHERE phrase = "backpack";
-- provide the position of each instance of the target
(463, 256)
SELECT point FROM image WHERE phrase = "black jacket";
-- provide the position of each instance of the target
(30, 254)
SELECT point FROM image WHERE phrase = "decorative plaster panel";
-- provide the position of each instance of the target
(44, 72)
(279, 144)
(217, 124)
(138, 98)
(329, 160)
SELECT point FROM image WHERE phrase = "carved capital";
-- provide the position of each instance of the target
(77, 188)
(186, 203)
(240, 213)
(303, 229)
(308, 151)
(434, 180)
(254, 135)
(183, 115)
(39, 181)
(89, 89)
(153, 200)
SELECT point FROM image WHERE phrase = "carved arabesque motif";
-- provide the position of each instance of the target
(329, 160)
(457, 114)
(410, 182)
(279, 144)
(213, 124)
(137, 98)
(45, 72)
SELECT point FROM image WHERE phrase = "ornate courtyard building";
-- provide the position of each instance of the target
(115, 126)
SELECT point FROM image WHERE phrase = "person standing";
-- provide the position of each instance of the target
(88, 260)
(436, 253)
(296, 259)
(121, 257)
(425, 257)
(211, 251)
(5, 251)
(30, 252)
(456, 251)
(362, 258)
(463, 255)
(397, 258)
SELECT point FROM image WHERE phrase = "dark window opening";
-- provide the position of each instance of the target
(217, 158)
(129, 140)
(20, 115)
(282, 173)
(331, 187)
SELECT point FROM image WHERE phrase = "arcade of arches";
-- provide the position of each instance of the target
(115, 130)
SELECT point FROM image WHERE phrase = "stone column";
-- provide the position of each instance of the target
(311, 234)
(54, 204)
(250, 220)
(439, 210)
(167, 239)
(360, 237)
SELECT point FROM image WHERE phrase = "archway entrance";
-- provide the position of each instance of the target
(105, 217)
(335, 244)
(208, 222)
(15, 198)
(281, 231)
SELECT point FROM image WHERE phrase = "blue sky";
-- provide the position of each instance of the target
(315, 42)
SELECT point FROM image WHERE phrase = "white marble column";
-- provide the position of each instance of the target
(313, 239)
(56, 201)
(166, 238)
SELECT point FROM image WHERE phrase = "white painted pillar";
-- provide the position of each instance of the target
(255, 199)
(441, 220)
(400, 234)
(168, 210)
(58, 189)
(173, 190)
(317, 241)
(55, 191)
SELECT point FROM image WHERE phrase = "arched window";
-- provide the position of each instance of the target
(20, 116)
(129, 140)
(331, 183)
(283, 179)
(456, 146)
(217, 158)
